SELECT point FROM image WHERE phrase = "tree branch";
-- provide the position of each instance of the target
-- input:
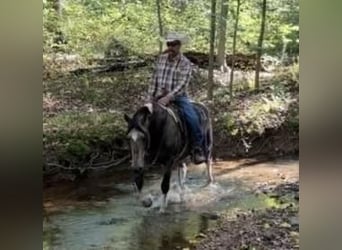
(111, 164)
(99, 165)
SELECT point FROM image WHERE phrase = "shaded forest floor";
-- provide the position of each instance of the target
(84, 129)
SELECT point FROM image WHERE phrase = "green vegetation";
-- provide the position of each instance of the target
(75, 136)
(268, 109)
(92, 27)
(90, 119)
(83, 111)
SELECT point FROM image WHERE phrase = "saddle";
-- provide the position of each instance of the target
(176, 114)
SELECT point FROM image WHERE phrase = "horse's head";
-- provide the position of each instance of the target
(139, 135)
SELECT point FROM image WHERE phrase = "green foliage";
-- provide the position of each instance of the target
(92, 28)
(74, 136)
(89, 27)
(258, 116)
(103, 91)
(51, 25)
(294, 70)
(288, 74)
(274, 107)
(84, 114)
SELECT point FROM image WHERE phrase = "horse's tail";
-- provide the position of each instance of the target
(206, 128)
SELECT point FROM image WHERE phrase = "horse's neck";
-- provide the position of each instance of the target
(159, 119)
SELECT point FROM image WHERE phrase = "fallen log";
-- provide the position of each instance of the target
(121, 66)
(242, 62)
(118, 66)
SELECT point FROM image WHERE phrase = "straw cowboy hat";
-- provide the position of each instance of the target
(173, 36)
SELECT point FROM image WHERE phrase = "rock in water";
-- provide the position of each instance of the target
(147, 201)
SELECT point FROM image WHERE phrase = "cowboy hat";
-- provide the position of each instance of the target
(174, 36)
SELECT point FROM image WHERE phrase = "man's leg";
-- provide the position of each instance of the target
(193, 123)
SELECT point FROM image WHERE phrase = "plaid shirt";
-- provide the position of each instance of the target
(170, 77)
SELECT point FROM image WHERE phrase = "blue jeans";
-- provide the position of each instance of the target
(191, 119)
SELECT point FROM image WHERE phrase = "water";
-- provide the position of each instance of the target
(122, 223)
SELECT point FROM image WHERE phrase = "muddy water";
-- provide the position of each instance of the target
(121, 222)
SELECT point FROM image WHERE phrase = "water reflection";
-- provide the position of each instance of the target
(161, 232)
(204, 224)
(169, 242)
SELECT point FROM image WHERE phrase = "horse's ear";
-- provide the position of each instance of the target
(127, 118)
(149, 107)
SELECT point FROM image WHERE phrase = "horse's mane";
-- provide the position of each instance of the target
(138, 118)
(141, 116)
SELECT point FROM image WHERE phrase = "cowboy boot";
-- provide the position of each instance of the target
(198, 155)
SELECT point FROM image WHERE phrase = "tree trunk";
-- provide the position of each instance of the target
(211, 51)
(221, 52)
(236, 25)
(57, 5)
(160, 27)
(260, 41)
(283, 52)
(59, 37)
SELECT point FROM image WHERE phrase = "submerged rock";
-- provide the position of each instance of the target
(147, 201)
(112, 221)
(210, 216)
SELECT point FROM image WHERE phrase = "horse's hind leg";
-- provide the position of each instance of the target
(209, 164)
(182, 170)
(181, 179)
(209, 159)
(165, 186)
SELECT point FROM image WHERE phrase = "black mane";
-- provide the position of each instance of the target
(138, 119)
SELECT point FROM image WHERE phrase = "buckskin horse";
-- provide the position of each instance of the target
(158, 135)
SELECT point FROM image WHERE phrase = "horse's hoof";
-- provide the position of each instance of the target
(182, 199)
(209, 184)
(162, 210)
(147, 201)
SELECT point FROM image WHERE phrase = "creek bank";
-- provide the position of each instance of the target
(84, 130)
(271, 228)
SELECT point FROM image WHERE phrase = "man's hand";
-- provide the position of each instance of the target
(165, 100)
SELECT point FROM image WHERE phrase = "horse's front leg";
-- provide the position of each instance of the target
(165, 186)
(138, 184)
(182, 170)
(138, 181)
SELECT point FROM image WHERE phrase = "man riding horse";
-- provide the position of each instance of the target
(170, 80)
(156, 135)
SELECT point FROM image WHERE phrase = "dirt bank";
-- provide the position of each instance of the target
(271, 228)
(84, 128)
